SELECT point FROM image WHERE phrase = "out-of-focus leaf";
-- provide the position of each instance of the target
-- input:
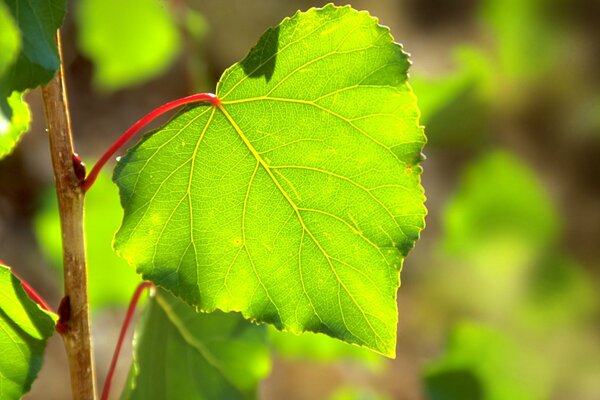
(500, 202)
(473, 73)
(296, 200)
(482, 364)
(128, 41)
(181, 354)
(38, 60)
(445, 101)
(14, 123)
(560, 294)
(10, 39)
(195, 24)
(499, 224)
(111, 280)
(321, 348)
(357, 393)
(527, 36)
(24, 330)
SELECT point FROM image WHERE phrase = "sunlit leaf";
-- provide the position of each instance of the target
(111, 282)
(128, 41)
(296, 201)
(182, 354)
(24, 330)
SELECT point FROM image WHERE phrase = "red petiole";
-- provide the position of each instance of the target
(135, 128)
(33, 295)
(130, 311)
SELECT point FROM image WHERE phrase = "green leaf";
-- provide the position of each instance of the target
(182, 354)
(482, 363)
(24, 330)
(38, 60)
(128, 42)
(111, 281)
(13, 125)
(297, 200)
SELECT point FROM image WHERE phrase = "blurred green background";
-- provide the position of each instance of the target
(499, 299)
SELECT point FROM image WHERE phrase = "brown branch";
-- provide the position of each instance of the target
(76, 337)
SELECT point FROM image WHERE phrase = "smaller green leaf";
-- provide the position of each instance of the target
(128, 42)
(13, 124)
(111, 281)
(24, 330)
(183, 354)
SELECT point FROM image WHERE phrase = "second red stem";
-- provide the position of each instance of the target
(126, 322)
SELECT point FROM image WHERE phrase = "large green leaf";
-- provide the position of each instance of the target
(182, 354)
(38, 60)
(296, 201)
(14, 123)
(24, 329)
(129, 41)
(111, 281)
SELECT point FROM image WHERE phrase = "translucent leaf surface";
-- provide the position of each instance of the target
(111, 281)
(182, 354)
(24, 329)
(14, 123)
(128, 42)
(295, 201)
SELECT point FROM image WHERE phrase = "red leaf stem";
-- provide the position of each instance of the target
(135, 128)
(130, 311)
(33, 295)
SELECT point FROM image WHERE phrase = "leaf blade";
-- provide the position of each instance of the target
(24, 329)
(222, 351)
(290, 215)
